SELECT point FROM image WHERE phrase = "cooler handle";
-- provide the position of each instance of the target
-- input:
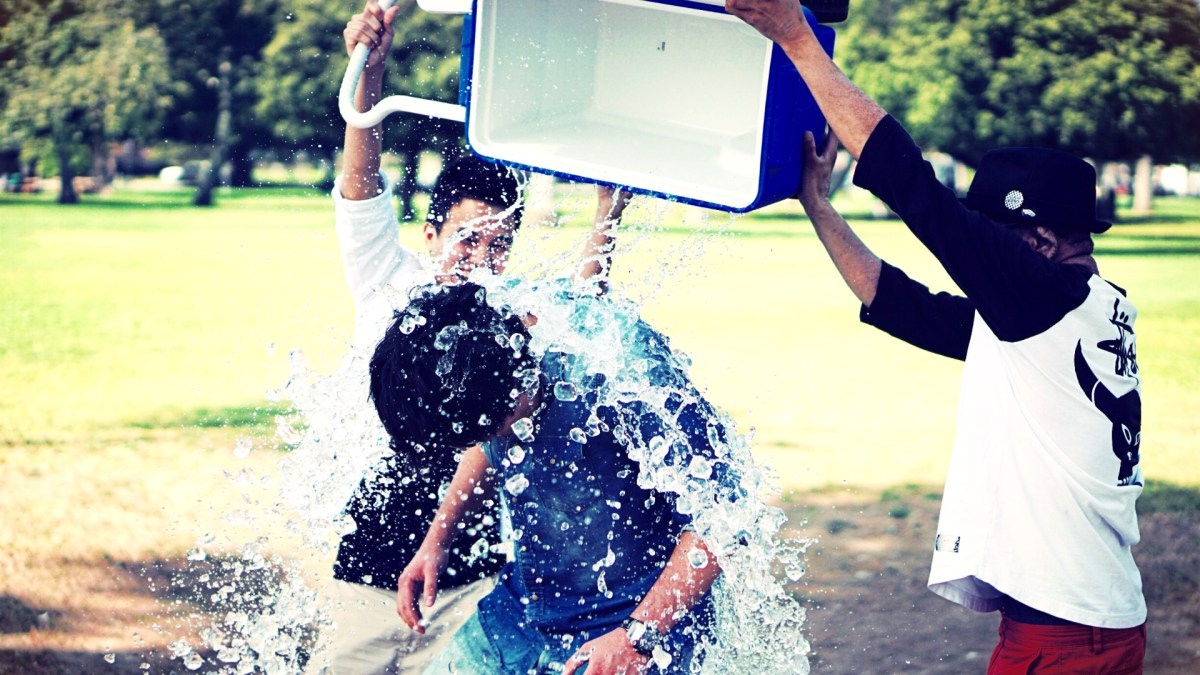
(391, 104)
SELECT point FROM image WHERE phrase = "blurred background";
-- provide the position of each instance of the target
(166, 241)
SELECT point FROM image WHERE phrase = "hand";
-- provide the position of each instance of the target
(372, 28)
(781, 21)
(814, 181)
(421, 573)
(609, 654)
(611, 203)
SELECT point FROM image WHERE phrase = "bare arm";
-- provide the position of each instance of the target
(360, 160)
(678, 588)
(858, 265)
(422, 572)
(597, 254)
(850, 112)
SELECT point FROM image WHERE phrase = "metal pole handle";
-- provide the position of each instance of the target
(391, 104)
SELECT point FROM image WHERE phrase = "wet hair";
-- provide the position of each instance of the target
(449, 368)
(469, 177)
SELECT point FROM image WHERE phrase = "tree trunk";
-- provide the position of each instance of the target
(1143, 184)
(67, 194)
(242, 167)
(216, 158)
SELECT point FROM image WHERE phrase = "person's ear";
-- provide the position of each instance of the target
(1042, 240)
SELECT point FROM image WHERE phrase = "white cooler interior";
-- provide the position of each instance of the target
(629, 92)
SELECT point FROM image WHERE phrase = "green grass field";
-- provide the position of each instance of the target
(139, 336)
(137, 312)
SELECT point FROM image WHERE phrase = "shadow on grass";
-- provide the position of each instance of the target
(871, 613)
(17, 617)
(235, 417)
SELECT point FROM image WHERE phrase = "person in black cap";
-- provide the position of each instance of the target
(1038, 516)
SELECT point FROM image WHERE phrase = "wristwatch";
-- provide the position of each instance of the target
(643, 636)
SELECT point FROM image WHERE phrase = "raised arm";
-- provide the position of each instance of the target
(850, 112)
(857, 264)
(360, 160)
(678, 588)
(462, 500)
(597, 254)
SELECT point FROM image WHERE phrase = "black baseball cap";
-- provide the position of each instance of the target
(1037, 186)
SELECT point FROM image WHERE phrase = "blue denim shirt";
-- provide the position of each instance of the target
(589, 542)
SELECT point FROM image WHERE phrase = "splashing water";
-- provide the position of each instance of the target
(758, 624)
(269, 611)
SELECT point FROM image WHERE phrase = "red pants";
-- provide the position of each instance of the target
(1075, 650)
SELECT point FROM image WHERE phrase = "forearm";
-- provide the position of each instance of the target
(859, 266)
(680, 586)
(468, 489)
(849, 111)
(360, 161)
(597, 255)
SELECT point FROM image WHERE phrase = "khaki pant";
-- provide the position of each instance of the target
(368, 638)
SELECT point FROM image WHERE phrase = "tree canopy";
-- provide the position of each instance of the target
(303, 68)
(79, 74)
(1106, 79)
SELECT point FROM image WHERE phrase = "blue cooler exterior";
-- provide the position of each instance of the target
(790, 110)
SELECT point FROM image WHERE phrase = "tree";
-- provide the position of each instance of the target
(1112, 80)
(215, 47)
(79, 75)
(303, 68)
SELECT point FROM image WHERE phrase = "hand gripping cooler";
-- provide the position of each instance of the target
(671, 98)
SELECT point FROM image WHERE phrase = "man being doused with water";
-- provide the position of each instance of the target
(599, 446)
(474, 212)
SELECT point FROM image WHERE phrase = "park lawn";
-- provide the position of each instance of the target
(140, 313)
(139, 336)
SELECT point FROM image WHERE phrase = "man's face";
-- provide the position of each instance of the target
(475, 234)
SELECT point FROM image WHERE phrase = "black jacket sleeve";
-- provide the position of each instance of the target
(1018, 292)
(939, 323)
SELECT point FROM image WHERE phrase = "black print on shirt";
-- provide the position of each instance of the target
(1123, 347)
(1124, 412)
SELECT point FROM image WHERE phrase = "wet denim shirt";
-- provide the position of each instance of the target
(588, 541)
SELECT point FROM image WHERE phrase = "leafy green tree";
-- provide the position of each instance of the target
(78, 75)
(215, 47)
(303, 68)
(1113, 80)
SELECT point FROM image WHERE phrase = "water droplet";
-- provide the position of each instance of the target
(577, 435)
(794, 571)
(700, 467)
(517, 341)
(516, 484)
(110, 658)
(661, 658)
(565, 391)
(484, 420)
(523, 430)
(516, 454)
(196, 554)
(193, 661)
(698, 558)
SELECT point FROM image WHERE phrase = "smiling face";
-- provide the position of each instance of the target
(474, 234)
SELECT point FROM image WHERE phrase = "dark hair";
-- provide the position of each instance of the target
(448, 368)
(469, 177)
